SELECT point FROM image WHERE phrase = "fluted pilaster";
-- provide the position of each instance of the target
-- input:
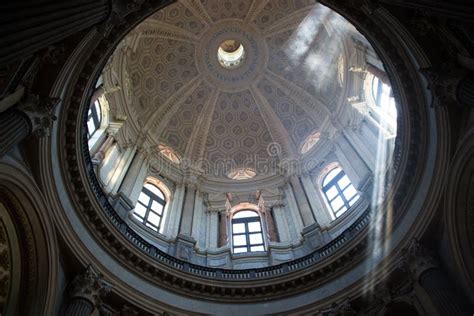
(14, 127)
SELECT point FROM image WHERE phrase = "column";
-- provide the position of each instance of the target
(302, 202)
(171, 226)
(223, 222)
(315, 199)
(85, 293)
(281, 223)
(33, 116)
(293, 216)
(213, 218)
(435, 283)
(14, 127)
(188, 208)
(367, 152)
(198, 215)
(135, 178)
(270, 226)
(34, 25)
(122, 168)
(351, 163)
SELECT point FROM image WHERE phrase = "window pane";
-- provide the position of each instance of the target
(254, 227)
(97, 110)
(351, 202)
(256, 239)
(244, 214)
(331, 193)
(343, 182)
(238, 228)
(337, 203)
(257, 248)
(140, 210)
(145, 199)
(240, 249)
(157, 207)
(152, 227)
(155, 190)
(154, 218)
(90, 126)
(240, 240)
(333, 173)
(350, 192)
(375, 87)
(137, 217)
(341, 211)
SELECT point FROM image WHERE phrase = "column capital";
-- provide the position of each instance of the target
(417, 259)
(443, 81)
(40, 111)
(89, 285)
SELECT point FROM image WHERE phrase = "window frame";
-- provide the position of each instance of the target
(334, 183)
(247, 233)
(96, 117)
(148, 207)
(383, 115)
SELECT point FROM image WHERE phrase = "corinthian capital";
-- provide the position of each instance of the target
(89, 285)
(417, 259)
(40, 111)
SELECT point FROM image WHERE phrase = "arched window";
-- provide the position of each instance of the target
(247, 233)
(339, 191)
(383, 99)
(150, 206)
(94, 119)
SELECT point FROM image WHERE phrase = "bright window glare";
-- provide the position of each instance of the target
(339, 191)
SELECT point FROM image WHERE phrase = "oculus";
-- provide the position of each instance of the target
(230, 53)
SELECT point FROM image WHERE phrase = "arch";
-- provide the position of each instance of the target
(338, 190)
(33, 247)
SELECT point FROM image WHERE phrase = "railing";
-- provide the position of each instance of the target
(219, 273)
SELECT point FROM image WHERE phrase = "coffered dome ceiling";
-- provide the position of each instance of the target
(221, 115)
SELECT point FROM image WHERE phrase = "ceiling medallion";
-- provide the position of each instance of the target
(231, 55)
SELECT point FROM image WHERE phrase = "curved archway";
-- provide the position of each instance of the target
(33, 253)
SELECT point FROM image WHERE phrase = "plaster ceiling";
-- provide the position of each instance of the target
(284, 89)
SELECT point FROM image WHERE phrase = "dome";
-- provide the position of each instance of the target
(282, 82)
(236, 157)
(282, 110)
